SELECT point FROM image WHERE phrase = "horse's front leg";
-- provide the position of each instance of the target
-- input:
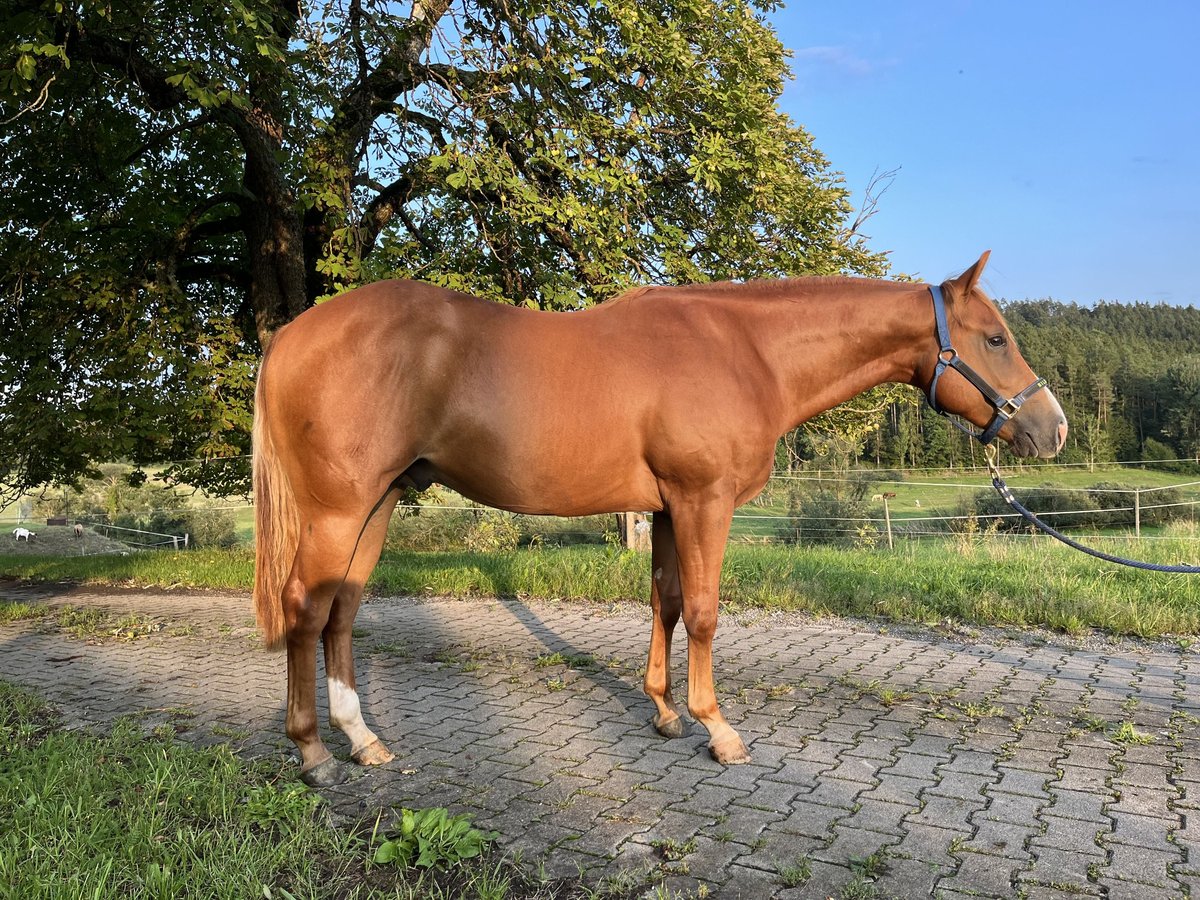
(666, 600)
(701, 530)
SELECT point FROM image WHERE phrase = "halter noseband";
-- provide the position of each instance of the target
(948, 357)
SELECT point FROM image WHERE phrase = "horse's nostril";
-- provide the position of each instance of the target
(1062, 435)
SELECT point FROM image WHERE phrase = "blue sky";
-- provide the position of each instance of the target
(1063, 136)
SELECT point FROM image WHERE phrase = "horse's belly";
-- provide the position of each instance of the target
(537, 490)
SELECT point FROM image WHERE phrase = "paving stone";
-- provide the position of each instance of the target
(879, 815)
(1069, 834)
(1144, 801)
(1081, 778)
(1019, 781)
(1052, 866)
(1150, 832)
(930, 844)
(1007, 839)
(946, 812)
(1117, 889)
(1132, 863)
(962, 785)
(1069, 892)
(980, 874)
(1085, 806)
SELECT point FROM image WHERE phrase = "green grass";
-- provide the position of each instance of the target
(130, 814)
(1001, 581)
(135, 814)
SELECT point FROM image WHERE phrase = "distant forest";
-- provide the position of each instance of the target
(1127, 375)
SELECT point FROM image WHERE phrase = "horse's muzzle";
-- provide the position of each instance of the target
(1039, 429)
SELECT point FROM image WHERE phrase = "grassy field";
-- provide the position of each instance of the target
(131, 813)
(1018, 582)
(918, 495)
(925, 494)
(60, 540)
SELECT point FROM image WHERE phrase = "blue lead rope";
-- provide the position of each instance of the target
(1003, 490)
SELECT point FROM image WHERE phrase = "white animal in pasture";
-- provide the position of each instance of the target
(25, 533)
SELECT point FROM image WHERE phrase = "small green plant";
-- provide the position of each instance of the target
(432, 838)
(392, 648)
(14, 610)
(284, 804)
(890, 696)
(870, 866)
(1125, 733)
(130, 627)
(555, 684)
(797, 875)
(859, 888)
(570, 660)
(228, 731)
(985, 710)
(672, 850)
(81, 623)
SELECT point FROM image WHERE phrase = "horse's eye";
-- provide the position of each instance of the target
(997, 340)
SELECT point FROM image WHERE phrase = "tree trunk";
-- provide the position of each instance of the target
(275, 239)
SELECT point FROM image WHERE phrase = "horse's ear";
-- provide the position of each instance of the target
(966, 282)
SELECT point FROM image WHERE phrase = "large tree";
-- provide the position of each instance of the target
(182, 178)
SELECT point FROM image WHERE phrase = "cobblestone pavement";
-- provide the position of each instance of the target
(913, 763)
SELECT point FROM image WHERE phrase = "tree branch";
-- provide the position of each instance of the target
(225, 273)
(388, 201)
(876, 188)
(163, 136)
(125, 57)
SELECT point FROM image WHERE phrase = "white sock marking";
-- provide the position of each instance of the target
(346, 714)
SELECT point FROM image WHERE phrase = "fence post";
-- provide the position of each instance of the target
(1137, 512)
(634, 531)
(887, 518)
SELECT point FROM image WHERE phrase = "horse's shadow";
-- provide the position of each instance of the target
(416, 666)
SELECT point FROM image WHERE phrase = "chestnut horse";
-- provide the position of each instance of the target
(668, 399)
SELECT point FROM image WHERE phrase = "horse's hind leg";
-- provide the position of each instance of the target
(345, 711)
(666, 599)
(322, 560)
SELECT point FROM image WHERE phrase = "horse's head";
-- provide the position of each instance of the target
(983, 342)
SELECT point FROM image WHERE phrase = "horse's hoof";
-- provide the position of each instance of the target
(672, 728)
(730, 752)
(326, 773)
(374, 754)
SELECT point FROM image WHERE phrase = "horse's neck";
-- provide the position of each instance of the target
(831, 342)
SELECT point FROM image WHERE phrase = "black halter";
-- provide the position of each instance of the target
(948, 357)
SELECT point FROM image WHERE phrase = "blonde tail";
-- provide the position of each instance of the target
(276, 530)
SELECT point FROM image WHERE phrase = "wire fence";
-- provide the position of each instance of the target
(859, 506)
